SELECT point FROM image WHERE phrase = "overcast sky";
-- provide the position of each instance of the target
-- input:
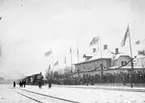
(30, 28)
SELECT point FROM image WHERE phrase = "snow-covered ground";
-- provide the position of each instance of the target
(91, 95)
(82, 95)
(7, 95)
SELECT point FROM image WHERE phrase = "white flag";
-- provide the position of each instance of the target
(48, 53)
(127, 34)
(56, 63)
(140, 42)
(65, 60)
(94, 41)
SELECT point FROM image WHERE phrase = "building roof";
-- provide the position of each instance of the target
(119, 55)
(105, 54)
(140, 56)
(92, 60)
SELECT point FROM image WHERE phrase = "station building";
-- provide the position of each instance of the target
(92, 65)
(113, 62)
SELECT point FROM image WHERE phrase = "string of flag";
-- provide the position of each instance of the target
(95, 41)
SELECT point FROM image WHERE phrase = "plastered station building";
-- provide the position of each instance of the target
(112, 63)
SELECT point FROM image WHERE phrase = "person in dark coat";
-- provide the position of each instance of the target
(40, 80)
(14, 84)
(20, 83)
(50, 84)
(24, 83)
(40, 84)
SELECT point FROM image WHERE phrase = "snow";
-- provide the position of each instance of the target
(83, 94)
(7, 95)
(92, 95)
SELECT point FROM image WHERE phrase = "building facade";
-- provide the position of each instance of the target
(112, 63)
(92, 67)
(95, 64)
(140, 61)
(121, 60)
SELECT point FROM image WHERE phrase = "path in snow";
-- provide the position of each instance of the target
(91, 95)
(7, 95)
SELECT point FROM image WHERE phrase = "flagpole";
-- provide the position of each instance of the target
(49, 68)
(52, 62)
(78, 62)
(78, 53)
(58, 65)
(65, 63)
(131, 58)
(101, 62)
(71, 57)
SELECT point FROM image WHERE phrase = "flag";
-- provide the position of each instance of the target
(127, 34)
(94, 50)
(56, 63)
(94, 41)
(137, 42)
(70, 50)
(65, 60)
(49, 67)
(78, 53)
(140, 42)
(48, 53)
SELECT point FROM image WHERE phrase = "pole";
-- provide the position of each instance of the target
(131, 60)
(65, 61)
(78, 53)
(78, 65)
(58, 65)
(71, 58)
(101, 80)
(52, 63)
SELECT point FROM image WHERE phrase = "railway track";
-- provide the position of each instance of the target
(42, 98)
(36, 100)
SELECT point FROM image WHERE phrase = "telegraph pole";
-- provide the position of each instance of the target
(131, 85)
(101, 78)
(71, 58)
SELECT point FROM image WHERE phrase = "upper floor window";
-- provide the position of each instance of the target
(123, 63)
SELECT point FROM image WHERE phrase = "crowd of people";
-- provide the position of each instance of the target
(86, 79)
(21, 83)
(36, 79)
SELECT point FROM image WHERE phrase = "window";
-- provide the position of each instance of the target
(123, 63)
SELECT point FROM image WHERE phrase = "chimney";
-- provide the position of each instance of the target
(116, 51)
(105, 47)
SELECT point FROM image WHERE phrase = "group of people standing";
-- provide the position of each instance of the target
(14, 84)
(38, 80)
(21, 84)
